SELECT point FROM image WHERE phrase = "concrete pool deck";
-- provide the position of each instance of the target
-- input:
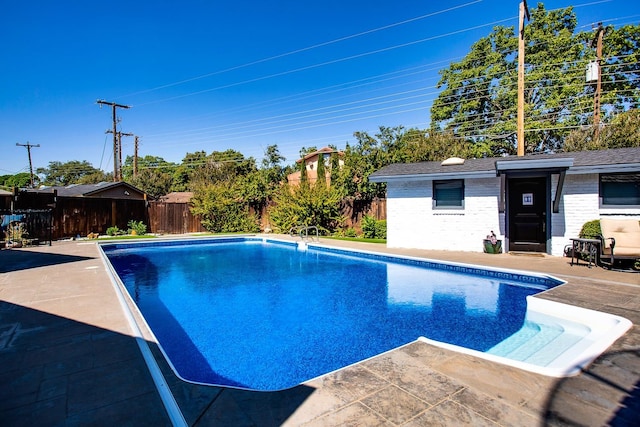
(68, 357)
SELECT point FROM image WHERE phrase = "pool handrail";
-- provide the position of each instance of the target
(299, 229)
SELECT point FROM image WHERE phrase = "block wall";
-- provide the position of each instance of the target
(413, 223)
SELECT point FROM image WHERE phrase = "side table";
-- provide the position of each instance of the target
(589, 247)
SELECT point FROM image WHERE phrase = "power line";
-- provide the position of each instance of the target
(246, 129)
(296, 51)
(322, 64)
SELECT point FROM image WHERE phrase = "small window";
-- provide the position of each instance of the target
(448, 194)
(620, 189)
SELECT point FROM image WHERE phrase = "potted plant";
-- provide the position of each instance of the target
(492, 245)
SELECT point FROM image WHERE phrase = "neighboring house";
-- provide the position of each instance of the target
(311, 165)
(534, 203)
(176, 197)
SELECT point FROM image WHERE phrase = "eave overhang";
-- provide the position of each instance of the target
(618, 168)
(433, 176)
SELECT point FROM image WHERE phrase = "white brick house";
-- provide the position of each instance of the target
(431, 205)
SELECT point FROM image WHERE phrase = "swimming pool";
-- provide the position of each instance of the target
(264, 315)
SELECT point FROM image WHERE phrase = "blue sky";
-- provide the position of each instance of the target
(205, 75)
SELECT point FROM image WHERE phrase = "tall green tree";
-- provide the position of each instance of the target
(361, 159)
(20, 180)
(73, 172)
(321, 170)
(154, 177)
(183, 174)
(622, 131)
(259, 186)
(155, 182)
(395, 145)
(479, 93)
(272, 165)
(96, 177)
(224, 166)
(146, 162)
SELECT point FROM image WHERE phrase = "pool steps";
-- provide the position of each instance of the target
(540, 341)
(557, 340)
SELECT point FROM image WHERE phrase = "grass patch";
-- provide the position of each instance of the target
(355, 239)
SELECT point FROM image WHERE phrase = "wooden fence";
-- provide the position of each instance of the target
(75, 216)
(173, 218)
(354, 210)
(81, 216)
(176, 218)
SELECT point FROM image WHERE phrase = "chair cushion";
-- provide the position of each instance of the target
(625, 231)
(626, 251)
(629, 240)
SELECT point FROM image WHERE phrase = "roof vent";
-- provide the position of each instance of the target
(453, 161)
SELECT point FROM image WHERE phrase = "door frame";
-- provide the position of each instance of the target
(510, 212)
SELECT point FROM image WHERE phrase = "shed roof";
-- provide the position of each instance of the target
(92, 190)
(613, 160)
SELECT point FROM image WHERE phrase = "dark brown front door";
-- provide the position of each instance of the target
(527, 214)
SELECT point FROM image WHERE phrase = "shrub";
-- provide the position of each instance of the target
(381, 229)
(373, 228)
(223, 209)
(369, 227)
(591, 229)
(307, 204)
(138, 227)
(350, 232)
(113, 231)
(346, 232)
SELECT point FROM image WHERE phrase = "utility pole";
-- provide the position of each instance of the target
(135, 157)
(120, 135)
(117, 174)
(596, 97)
(524, 10)
(115, 136)
(28, 145)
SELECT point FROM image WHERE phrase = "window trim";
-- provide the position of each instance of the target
(434, 197)
(604, 205)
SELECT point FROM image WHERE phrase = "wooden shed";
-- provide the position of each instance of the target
(78, 210)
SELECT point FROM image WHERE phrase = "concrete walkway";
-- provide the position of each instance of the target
(68, 357)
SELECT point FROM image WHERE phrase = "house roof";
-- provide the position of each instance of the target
(577, 162)
(91, 190)
(177, 197)
(323, 150)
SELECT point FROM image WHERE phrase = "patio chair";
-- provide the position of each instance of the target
(620, 240)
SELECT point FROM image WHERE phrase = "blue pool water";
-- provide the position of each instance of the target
(266, 316)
